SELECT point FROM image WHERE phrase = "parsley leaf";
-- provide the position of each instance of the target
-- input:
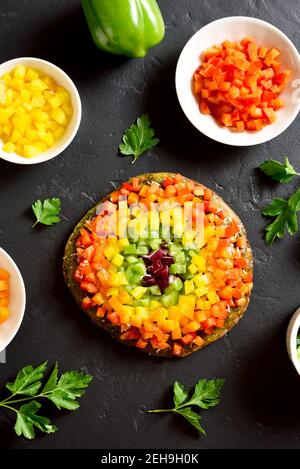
(180, 394)
(139, 138)
(275, 208)
(192, 418)
(63, 392)
(206, 395)
(281, 172)
(52, 380)
(285, 212)
(294, 201)
(28, 380)
(47, 212)
(27, 419)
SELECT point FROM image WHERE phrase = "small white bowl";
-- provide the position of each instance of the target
(236, 28)
(291, 337)
(63, 80)
(10, 327)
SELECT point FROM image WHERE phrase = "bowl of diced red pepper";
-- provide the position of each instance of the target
(236, 81)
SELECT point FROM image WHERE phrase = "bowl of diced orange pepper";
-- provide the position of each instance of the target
(40, 110)
(236, 81)
(12, 299)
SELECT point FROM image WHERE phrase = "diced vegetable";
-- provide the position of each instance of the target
(34, 112)
(130, 249)
(141, 250)
(178, 269)
(4, 295)
(177, 284)
(170, 299)
(239, 84)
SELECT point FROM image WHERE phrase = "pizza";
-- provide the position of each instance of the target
(162, 263)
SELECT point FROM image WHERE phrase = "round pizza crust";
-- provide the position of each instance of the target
(70, 265)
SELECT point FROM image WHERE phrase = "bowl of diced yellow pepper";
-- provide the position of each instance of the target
(40, 110)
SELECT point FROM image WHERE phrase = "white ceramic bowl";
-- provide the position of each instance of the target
(236, 28)
(62, 79)
(9, 328)
(291, 337)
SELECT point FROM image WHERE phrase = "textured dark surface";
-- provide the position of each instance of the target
(260, 401)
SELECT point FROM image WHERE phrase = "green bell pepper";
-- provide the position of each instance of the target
(124, 27)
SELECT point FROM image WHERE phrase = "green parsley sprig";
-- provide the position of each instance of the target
(280, 172)
(62, 391)
(283, 210)
(139, 138)
(47, 212)
(206, 395)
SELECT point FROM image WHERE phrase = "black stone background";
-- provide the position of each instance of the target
(260, 401)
